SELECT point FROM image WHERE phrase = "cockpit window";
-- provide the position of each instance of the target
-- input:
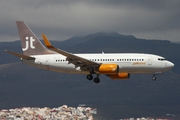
(161, 59)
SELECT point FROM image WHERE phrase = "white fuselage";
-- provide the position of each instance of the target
(128, 62)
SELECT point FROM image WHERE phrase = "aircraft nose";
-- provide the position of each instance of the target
(169, 65)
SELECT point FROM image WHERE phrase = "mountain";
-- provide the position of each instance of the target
(83, 39)
(23, 85)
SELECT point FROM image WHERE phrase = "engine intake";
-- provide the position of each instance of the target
(109, 69)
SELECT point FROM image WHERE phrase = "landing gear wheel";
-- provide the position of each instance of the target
(96, 80)
(89, 77)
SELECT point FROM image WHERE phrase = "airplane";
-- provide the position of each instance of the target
(117, 66)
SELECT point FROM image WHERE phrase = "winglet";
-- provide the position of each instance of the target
(46, 41)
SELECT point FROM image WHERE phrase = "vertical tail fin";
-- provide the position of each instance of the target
(31, 45)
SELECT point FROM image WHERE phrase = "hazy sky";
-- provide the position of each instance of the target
(62, 19)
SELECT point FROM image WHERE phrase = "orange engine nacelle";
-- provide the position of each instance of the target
(109, 69)
(120, 76)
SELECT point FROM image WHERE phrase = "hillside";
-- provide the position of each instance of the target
(23, 85)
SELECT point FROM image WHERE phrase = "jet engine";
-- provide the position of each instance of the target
(120, 76)
(109, 69)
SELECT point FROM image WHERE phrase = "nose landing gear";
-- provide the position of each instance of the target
(154, 75)
(154, 78)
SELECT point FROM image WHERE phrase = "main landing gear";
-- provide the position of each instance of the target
(154, 78)
(96, 79)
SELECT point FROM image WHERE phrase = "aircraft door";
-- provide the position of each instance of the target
(149, 61)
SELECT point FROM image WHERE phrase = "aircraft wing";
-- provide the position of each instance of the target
(20, 55)
(76, 60)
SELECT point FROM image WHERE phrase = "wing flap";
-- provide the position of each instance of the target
(20, 55)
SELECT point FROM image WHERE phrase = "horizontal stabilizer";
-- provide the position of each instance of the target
(20, 55)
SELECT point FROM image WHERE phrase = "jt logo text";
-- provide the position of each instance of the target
(29, 43)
